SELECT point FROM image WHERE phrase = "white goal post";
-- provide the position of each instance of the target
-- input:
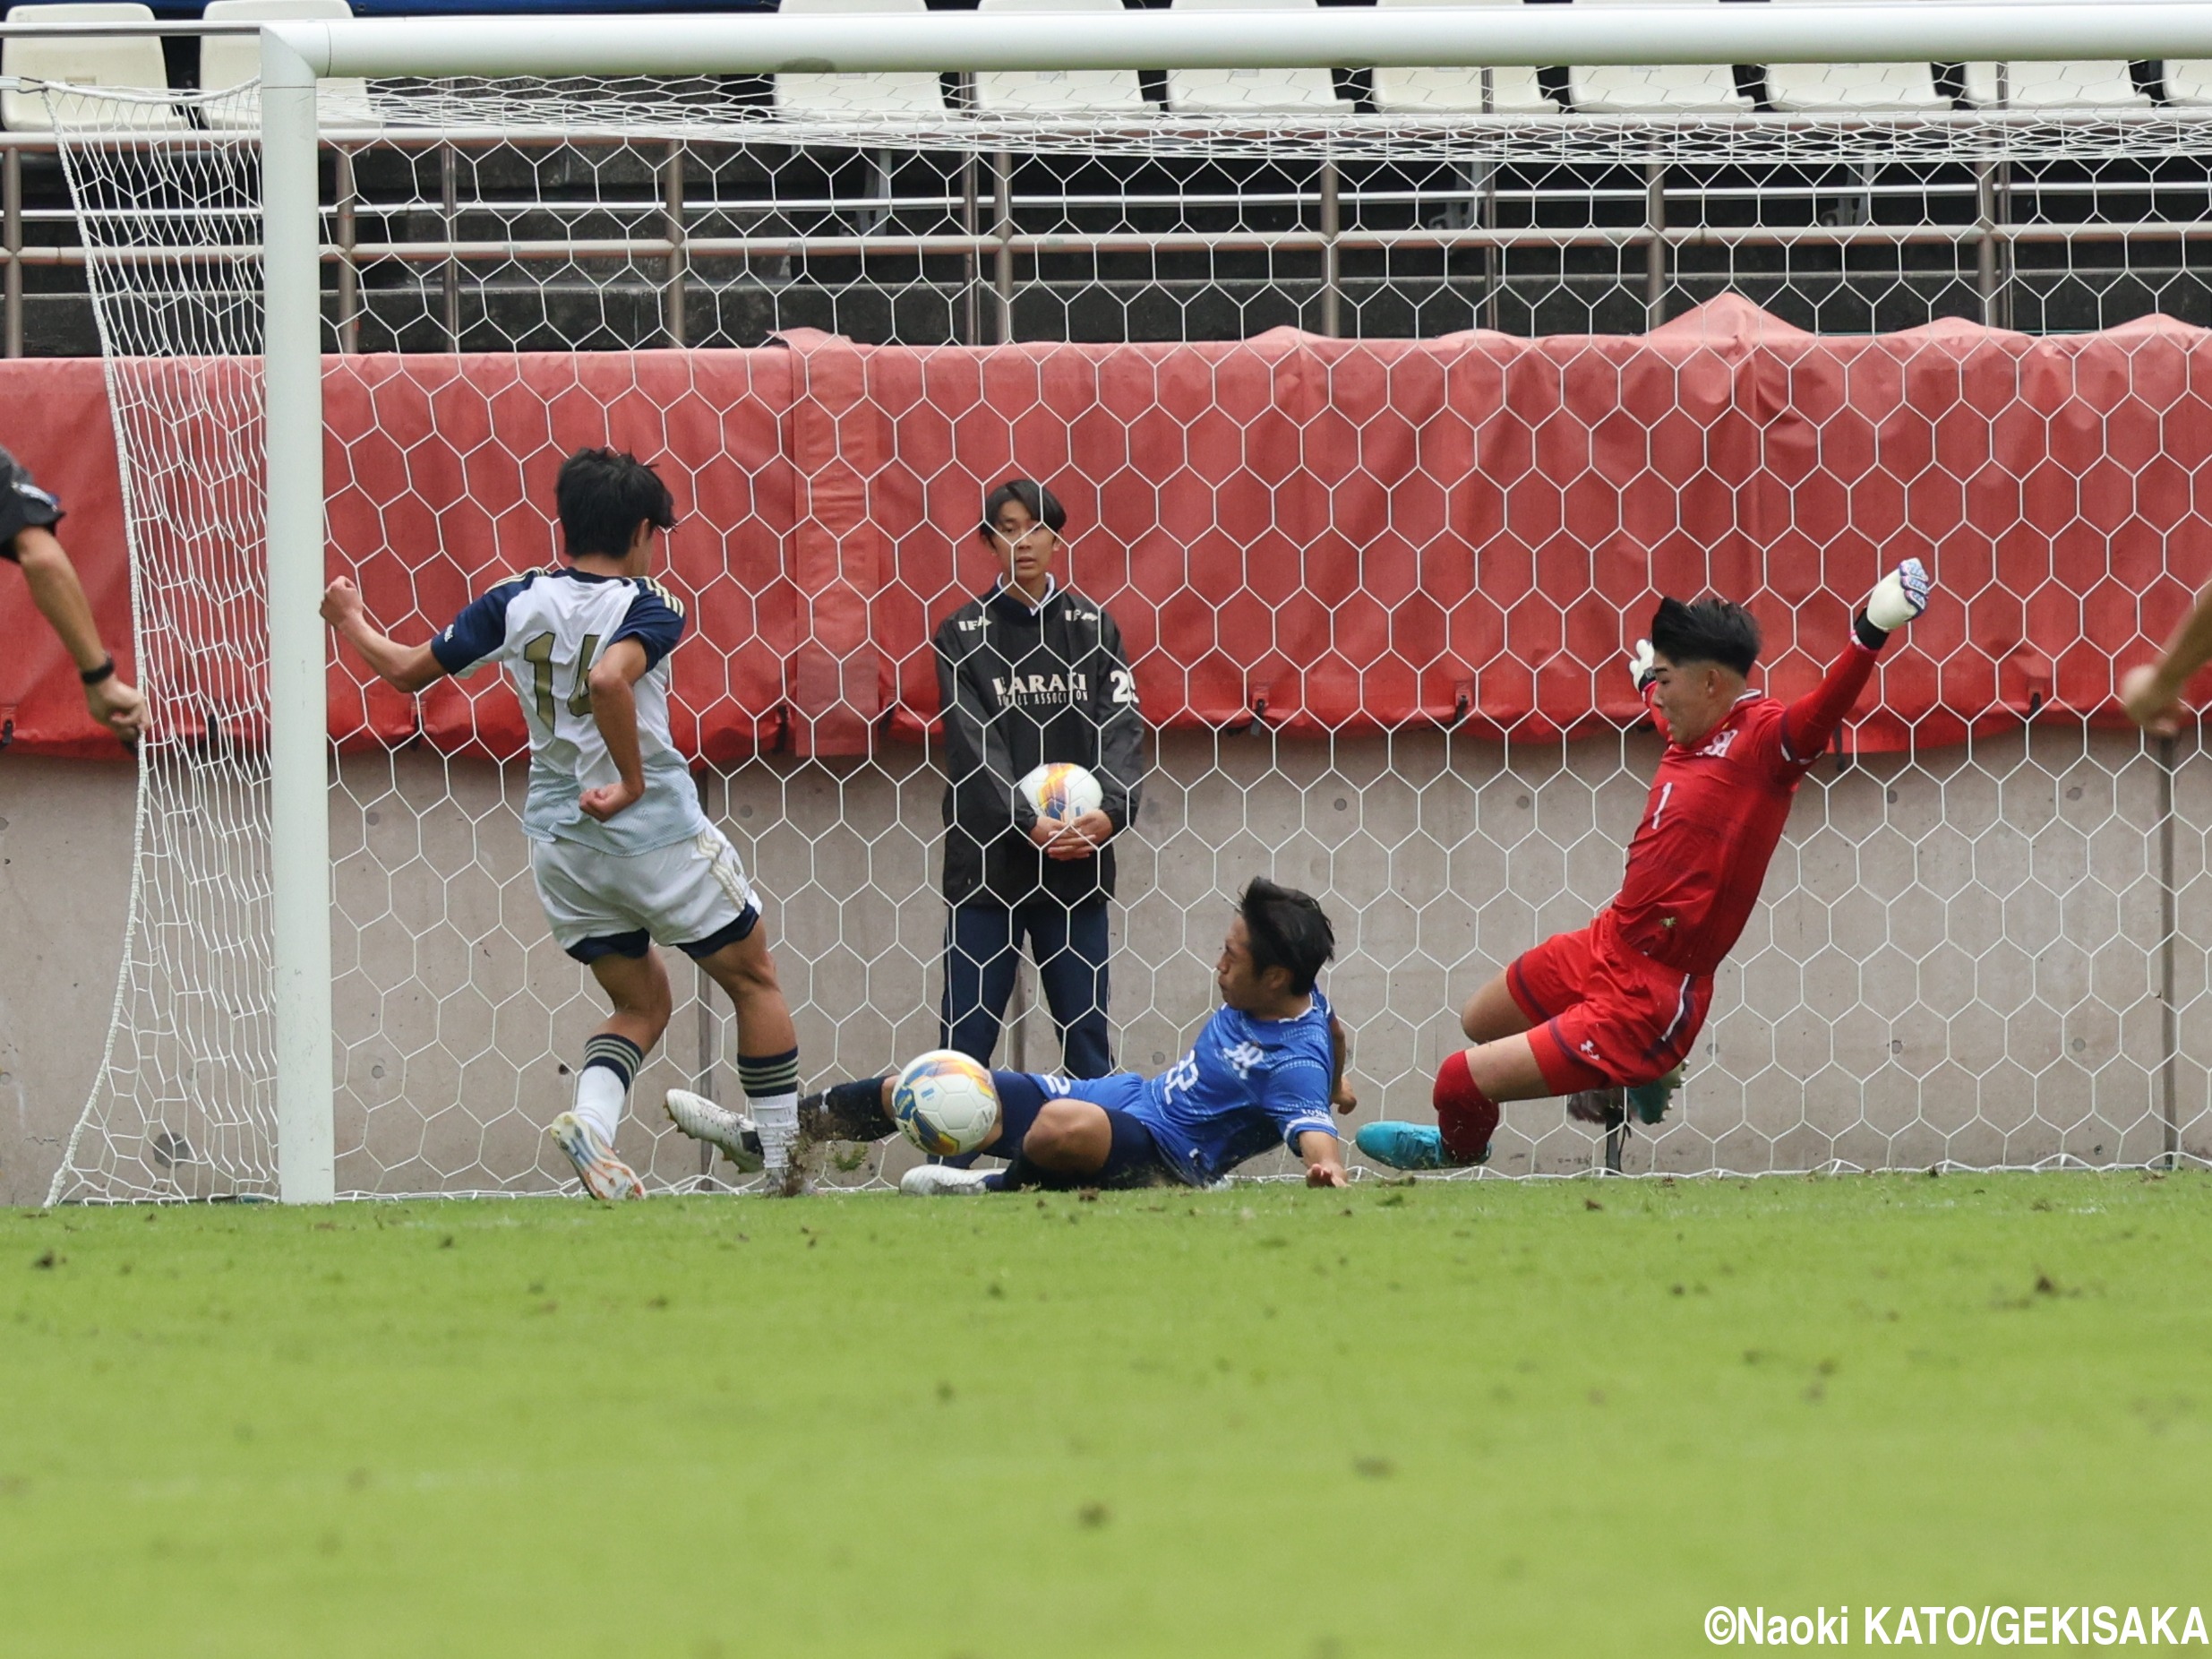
(295, 55)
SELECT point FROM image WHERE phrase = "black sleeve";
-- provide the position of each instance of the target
(23, 505)
(1121, 726)
(985, 801)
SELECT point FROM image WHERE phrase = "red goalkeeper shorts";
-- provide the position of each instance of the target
(1603, 1015)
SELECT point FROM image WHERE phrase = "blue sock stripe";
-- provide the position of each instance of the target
(765, 1075)
(616, 1053)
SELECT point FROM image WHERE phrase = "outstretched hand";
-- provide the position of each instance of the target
(2149, 704)
(1899, 597)
(1326, 1175)
(119, 705)
(1642, 665)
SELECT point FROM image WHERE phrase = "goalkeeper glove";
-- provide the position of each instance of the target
(1640, 664)
(1897, 599)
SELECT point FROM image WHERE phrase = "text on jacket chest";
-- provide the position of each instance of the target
(1016, 691)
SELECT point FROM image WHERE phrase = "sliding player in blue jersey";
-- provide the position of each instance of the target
(1264, 1072)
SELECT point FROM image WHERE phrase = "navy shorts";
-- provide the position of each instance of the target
(1134, 1159)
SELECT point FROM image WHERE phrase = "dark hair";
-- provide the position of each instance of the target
(604, 495)
(1287, 930)
(1042, 504)
(1707, 630)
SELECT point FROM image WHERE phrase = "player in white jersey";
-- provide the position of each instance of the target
(622, 853)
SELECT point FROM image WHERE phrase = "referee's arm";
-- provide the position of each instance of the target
(114, 702)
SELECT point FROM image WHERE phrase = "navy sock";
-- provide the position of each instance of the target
(854, 1110)
(1020, 1173)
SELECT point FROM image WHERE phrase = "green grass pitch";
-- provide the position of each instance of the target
(1451, 1418)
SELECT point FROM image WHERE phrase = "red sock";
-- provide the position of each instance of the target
(1467, 1116)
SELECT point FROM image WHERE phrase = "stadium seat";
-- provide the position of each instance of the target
(1812, 88)
(1512, 90)
(118, 61)
(1056, 91)
(1655, 89)
(2188, 81)
(917, 95)
(2053, 86)
(227, 61)
(1819, 87)
(1249, 92)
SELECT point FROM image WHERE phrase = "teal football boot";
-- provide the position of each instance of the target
(1650, 1100)
(1410, 1145)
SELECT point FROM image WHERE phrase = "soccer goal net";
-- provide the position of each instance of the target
(1380, 432)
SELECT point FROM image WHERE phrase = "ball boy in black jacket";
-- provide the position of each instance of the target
(1029, 673)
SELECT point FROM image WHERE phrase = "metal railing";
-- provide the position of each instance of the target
(1003, 232)
(673, 237)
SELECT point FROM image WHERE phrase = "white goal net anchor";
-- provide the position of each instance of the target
(1375, 590)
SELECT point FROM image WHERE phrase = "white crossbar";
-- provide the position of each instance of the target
(1883, 30)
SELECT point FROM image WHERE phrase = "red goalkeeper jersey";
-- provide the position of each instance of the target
(1697, 860)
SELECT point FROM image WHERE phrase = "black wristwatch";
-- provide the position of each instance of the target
(93, 676)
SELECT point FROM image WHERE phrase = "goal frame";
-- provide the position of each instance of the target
(295, 55)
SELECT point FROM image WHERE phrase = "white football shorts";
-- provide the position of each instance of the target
(692, 895)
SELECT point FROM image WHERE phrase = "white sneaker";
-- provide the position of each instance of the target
(930, 1181)
(604, 1176)
(718, 1126)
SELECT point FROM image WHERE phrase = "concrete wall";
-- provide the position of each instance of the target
(64, 888)
(1960, 957)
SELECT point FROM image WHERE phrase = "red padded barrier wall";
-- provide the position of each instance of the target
(1336, 535)
(440, 478)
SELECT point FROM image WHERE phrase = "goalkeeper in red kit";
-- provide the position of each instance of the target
(1616, 1007)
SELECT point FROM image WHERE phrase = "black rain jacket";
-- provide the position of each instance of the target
(1019, 689)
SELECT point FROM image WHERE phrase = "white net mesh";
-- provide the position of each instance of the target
(182, 1105)
(1374, 586)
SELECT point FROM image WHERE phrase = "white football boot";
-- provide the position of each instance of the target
(604, 1176)
(931, 1181)
(732, 1131)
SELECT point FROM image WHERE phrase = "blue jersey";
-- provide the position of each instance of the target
(1248, 1084)
(547, 629)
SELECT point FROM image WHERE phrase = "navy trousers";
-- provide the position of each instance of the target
(1069, 944)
